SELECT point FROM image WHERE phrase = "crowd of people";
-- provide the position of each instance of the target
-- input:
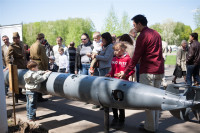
(122, 57)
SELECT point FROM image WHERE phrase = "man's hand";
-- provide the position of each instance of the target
(75, 72)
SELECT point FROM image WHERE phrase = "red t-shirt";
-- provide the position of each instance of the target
(119, 64)
(149, 51)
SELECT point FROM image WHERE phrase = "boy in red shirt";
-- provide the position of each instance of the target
(119, 63)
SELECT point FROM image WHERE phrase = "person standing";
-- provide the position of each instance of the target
(83, 55)
(72, 57)
(180, 69)
(4, 50)
(192, 62)
(119, 63)
(48, 48)
(59, 41)
(106, 54)
(38, 54)
(16, 56)
(149, 51)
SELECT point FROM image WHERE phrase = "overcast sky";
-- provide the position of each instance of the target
(156, 11)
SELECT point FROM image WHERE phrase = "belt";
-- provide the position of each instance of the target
(85, 62)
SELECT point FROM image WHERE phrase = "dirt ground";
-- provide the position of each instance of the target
(23, 127)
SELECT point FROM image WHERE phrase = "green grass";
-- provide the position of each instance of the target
(170, 60)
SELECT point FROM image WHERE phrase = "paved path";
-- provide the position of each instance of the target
(59, 115)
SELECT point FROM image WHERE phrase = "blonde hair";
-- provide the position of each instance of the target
(61, 49)
(121, 44)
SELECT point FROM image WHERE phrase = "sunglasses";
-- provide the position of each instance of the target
(83, 39)
(5, 39)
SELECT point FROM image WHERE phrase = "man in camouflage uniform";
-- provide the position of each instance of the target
(38, 54)
(16, 56)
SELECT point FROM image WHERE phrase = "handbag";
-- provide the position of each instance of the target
(178, 72)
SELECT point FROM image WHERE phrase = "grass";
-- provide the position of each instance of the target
(170, 60)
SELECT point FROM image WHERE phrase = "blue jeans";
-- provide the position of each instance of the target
(31, 105)
(104, 71)
(85, 69)
(192, 70)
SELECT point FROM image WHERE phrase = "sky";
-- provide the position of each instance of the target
(156, 11)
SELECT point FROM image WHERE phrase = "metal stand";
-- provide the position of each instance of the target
(106, 119)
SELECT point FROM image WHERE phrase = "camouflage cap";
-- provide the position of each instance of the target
(40, 36)
(15, 34)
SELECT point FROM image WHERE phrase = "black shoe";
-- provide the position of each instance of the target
(120, 125)
(42, 100)
(141, 127)
(114, 122)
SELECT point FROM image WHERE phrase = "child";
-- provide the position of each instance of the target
(63, 61)
(33, 78)
(97, 44)
(52, 65)
(119, 63)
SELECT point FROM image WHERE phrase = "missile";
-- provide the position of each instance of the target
(117, 93)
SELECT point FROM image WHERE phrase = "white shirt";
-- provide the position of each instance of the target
(97, 47)
(57, 55)
(64, 62)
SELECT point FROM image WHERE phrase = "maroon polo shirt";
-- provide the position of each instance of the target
(149, 51)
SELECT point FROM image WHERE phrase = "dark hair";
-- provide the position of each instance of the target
(194, 35)
(4, 36)
(59, 37)
(31, 64)
(85, 34)
(127, 38)
(107, 37)
(72, 44)
(140, 19)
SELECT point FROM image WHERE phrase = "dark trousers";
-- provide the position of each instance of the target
(192, 70)
(121, 115)
(62, 70)
(138, 72)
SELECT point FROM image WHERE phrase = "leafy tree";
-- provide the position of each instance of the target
(125, 25)
(157, 27)
(183, 31)
(111, 23)
(197, 30)
(168, 34)
(70, 30)
(197, 17)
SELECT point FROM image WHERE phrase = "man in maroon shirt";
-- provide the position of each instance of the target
(149, 51)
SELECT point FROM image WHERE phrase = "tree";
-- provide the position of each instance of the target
(125, 25)
(70, 30)
(197, 30)
(168, 34)
(157, 27)
(183, 31)
(111, 23)
(197, 17)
